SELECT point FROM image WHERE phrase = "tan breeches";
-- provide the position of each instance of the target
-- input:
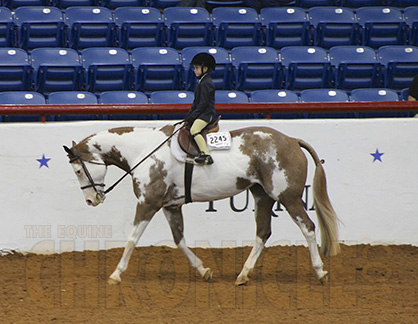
(197, 127)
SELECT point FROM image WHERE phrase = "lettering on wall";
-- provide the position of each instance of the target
(306, 199)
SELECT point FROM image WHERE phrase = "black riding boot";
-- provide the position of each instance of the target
(204, 159)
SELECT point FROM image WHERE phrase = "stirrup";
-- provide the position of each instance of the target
(204, 159)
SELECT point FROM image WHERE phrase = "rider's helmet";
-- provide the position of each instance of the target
(204, 59)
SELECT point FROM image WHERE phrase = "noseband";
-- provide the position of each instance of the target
(91, 184)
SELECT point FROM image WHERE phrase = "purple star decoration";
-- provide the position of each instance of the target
(377, 155)
(43, 161)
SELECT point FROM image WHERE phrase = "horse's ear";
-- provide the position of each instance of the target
(69, 152)
(73, 143)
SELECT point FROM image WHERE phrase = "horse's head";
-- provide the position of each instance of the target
(90, 172)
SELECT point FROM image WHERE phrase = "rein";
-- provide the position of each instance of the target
(145, 158)
(76, 157)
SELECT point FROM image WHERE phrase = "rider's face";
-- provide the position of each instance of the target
(198, 70)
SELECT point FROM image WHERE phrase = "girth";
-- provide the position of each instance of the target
(188, 145)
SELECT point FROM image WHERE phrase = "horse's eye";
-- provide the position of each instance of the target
(78, 172)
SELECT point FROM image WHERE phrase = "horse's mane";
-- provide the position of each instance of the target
(167, 129)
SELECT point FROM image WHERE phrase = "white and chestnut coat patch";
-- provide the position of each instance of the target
(269, 163)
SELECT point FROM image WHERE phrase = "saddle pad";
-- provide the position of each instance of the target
(177, 151)
(181, 156)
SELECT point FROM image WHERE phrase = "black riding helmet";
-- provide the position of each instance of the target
(204, 59)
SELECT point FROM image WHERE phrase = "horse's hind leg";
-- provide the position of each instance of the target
(301, 218)
(175, 219)
(263, 206)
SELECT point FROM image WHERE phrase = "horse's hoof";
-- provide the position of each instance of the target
(324, 279)
(241, 281)
(113, 282)
(208, 274)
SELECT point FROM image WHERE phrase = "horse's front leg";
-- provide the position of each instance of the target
(175, 219)
(143, 216)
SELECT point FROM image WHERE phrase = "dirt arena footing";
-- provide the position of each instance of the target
(367, 284)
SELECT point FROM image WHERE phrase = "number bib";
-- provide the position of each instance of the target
(219, 140)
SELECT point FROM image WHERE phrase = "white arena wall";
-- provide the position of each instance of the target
(43, 209)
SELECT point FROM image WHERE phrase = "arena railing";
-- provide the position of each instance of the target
(222, 108)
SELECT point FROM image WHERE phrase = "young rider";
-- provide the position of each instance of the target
(202, 111)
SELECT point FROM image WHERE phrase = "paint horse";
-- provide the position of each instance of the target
(268, 163)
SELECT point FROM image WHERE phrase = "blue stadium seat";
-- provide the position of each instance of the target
(139, 27)
(315, 3)
(39, 27)
(255, 4)
(123, 97)
(107, 69)
(6, 28)
(285, 26)
(411, 18)
(126, 98)
(306, 67)
(401, 65)
(323, 95)
(156, 69)
(401, 3)
(276, 96)
(64, 4)
(230, 96)
(74, 98)
(13, 4)
(15, 70)
(188, 27)
(355, 67)
(271, 95)
(161, 4)
(403, 95)
(90, 27)
(382, 26)
(57, 69)
(22, 98)
(374, 94)
(171, 97)
(377, 94)
(362, 3)
(211, 4)
(236, 27)
(222, 76)
(256, 68)
(114, 4)
(334, 26)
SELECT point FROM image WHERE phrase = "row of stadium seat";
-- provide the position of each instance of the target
(179, 27)
(247, 68)
(338, 3)
(354, 3)
(112, 4)
(186, 97)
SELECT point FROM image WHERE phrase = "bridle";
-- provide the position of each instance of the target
(76, 157)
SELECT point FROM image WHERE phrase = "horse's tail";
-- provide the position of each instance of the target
(327, 218)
